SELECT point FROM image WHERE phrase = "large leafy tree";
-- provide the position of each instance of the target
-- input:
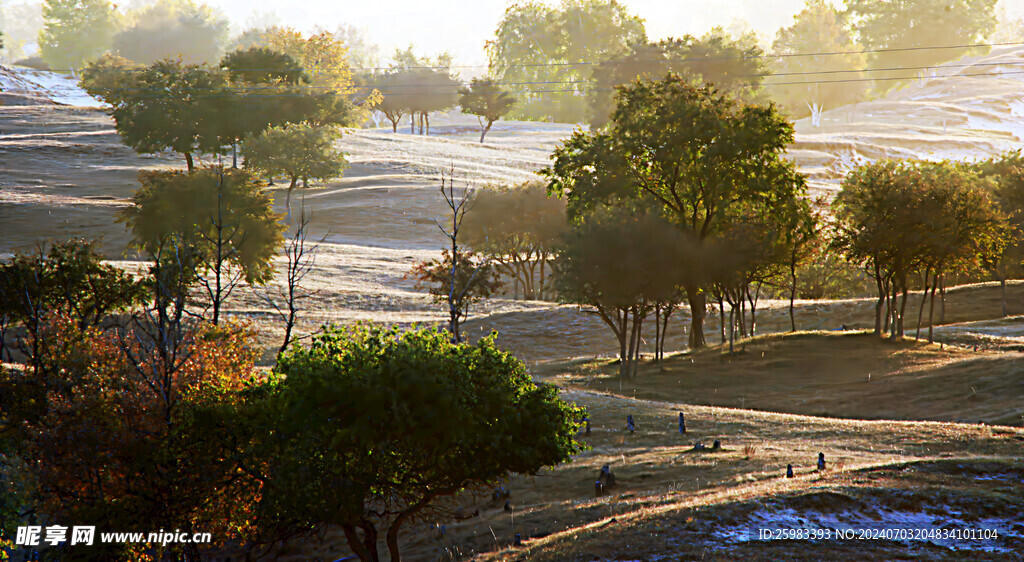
(166, 106)
(194, 33)
(487, 101)
(544, 54)
(263, 90)
(819, 59)
(76, 32)
(391, 423)
(900, 218)
(221, 219)
(922, 32)
(623, 263)
(732, 64)
(699, 154)
(298, 151)
(518, 228)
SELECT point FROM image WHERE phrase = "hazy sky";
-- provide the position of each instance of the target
(462, 26)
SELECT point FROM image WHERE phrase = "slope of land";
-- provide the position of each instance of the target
(672, 503)
(841, 374)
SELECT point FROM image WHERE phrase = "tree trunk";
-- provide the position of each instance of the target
(942, 299)
(426, 118)
(657, 332)
(412, 123)
(664, 328)
(732, 326)
(721, 318)
(188, 161)
(903, 309)
(623, 341)
(487, 128)
(931, 312)
(698, 303)
(920, 312)
(234, 155)
(792, 297)
(357, 546)
(288, 196)
(1002, 287)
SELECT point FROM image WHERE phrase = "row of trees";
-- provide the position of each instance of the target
(685, 199)
(258, 98)
(564, 62)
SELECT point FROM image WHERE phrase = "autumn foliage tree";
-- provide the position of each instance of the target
(106, 430)
(215, 227)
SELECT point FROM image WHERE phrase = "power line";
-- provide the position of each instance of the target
(767, 75)
(595, 63)
(745, 57)
(584, 91)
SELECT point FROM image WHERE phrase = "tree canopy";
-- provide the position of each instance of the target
(699, 154)
(182, 29)
(544, 54)
(298, 151)
(908, 32)
(392, 422)
(730, 64)
(76, 32)
(487, 101)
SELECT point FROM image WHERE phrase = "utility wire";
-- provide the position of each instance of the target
(594, 63)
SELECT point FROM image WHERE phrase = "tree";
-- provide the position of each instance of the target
(174, 29)
(918, 33)
(459, 279)
(733, 65)
(623, 263)
(900, 218)
(262, 92)
(69, 278)
(396, 96)
(168, 105)
(812, 50)
(423, 84)
(393, 422)
(699, 154)
(75, 32)
(300, 257)
(108, 434)
(221, 220)
(324, 58)
(556, 47)
(1008, 172)
(487, 101)
(518, 228)
(299, 151)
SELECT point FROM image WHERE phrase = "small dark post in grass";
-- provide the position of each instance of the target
(789, 471)
(682, 423)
